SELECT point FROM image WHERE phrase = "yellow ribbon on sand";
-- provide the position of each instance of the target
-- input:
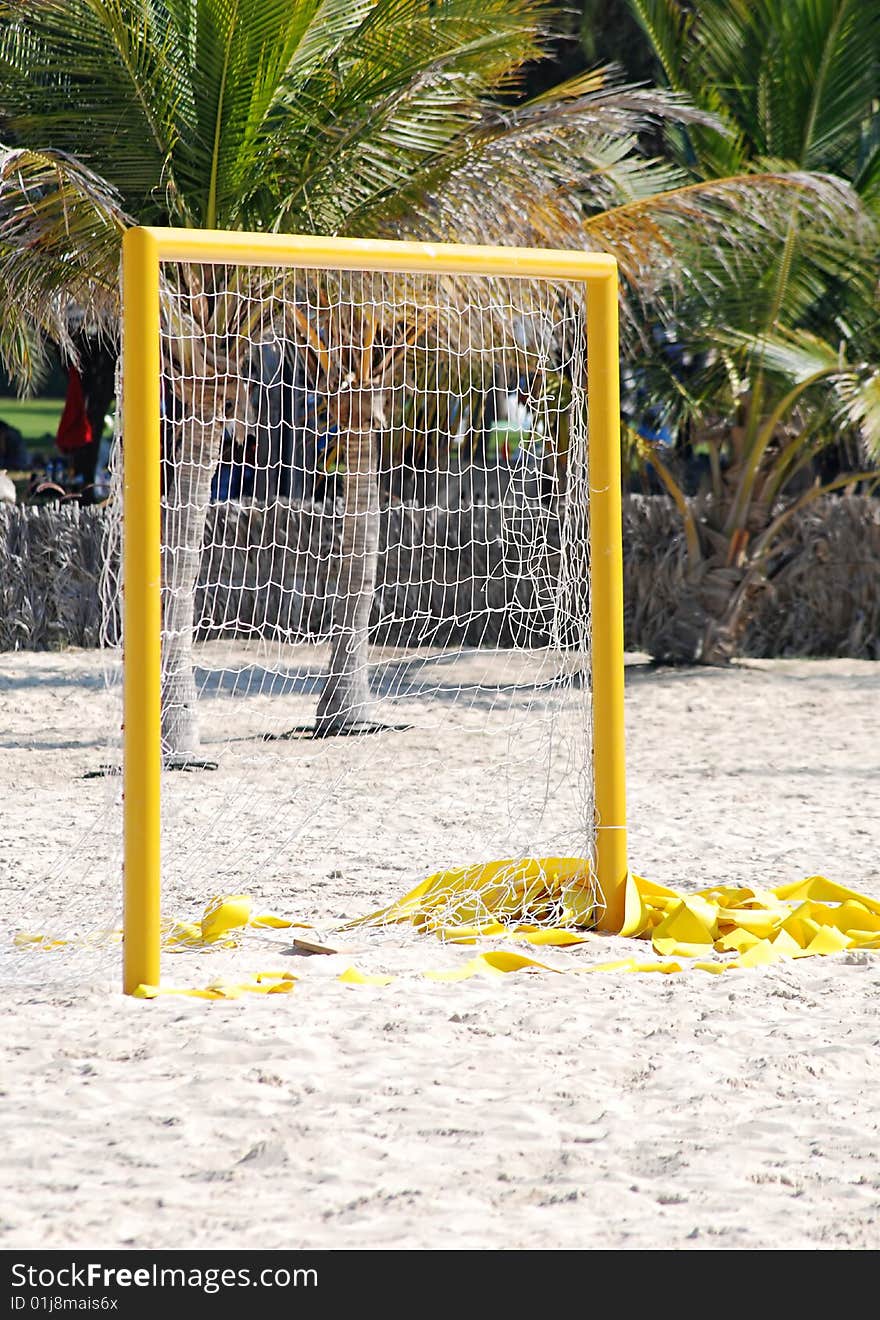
(222, 923)
(264, 983)
(549, 902)
(757, 926)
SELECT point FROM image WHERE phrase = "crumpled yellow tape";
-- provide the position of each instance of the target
(544, 902)
(759, 926)
(498, 962)
(352, 976)
(222, 922)
(555, 892)
(264, 983)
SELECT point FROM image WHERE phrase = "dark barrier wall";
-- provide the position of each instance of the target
(468, 575)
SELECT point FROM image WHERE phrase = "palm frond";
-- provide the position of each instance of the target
(852, 388)
(60, 234)
(98, 79)
(22, 345)
(527, 174)
(667, 26)
(405, 91)
(794, 78)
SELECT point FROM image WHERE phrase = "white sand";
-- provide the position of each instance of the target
(607, 1111)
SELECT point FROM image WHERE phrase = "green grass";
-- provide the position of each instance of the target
(37, 419)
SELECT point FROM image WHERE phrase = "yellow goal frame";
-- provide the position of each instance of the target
(143, 250)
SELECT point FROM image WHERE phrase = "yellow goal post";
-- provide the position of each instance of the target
(144, 250)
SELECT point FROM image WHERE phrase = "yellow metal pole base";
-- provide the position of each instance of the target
(606, 597)
(142, 618)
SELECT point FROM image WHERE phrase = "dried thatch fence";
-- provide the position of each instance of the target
(50, 565)
(824, 599)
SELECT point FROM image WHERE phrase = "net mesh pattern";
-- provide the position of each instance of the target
(375, 604)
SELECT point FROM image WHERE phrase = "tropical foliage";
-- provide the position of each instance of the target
(782, 343)
(407, 117)
(334, 116)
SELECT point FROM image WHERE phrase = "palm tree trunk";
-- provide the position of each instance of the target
(715, 607)
(345, 702)
(184, 511)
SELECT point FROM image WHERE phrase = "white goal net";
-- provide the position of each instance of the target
(376, 659)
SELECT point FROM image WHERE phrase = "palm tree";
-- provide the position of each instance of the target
(362, 117)
(786, 335)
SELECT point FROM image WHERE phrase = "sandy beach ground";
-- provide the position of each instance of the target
(738, 1111)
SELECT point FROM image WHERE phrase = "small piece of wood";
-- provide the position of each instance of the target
(302, 945)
